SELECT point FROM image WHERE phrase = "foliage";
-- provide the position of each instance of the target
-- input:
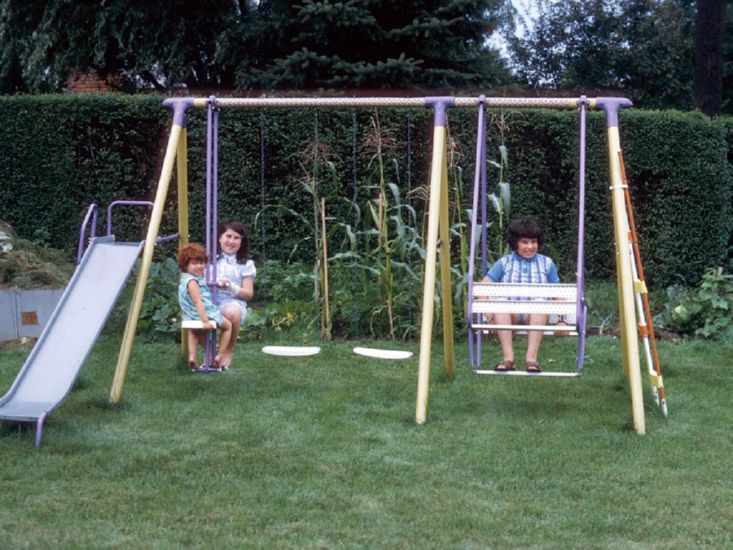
(100, 148)
(266, 44)
(706, 310)
(728, 60)
(384, 247)
(141, 44)
(384, 44)
(644, 48)
(160, 313)
(709, 56)
(670, 182)
(96, 149)
(283, 302)
(28, 265)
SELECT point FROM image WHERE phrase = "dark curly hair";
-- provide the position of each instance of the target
(237, 227)
(525, 227)
(191, 252)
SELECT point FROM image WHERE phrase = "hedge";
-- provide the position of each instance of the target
(59, 153)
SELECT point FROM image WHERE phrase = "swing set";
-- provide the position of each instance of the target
(561, 299)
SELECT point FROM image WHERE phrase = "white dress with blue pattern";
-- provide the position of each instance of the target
(228, 268)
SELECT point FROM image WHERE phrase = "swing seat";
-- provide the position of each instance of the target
(549, 299)
(554, 300)
(195, 325)
(382, 353)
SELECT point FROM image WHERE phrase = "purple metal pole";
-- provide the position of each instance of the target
(210, 227)
(473, 338)
(581, 308)
(484, 221)
(209, 170)
(215, 196)
(179, 105)
(92, 211)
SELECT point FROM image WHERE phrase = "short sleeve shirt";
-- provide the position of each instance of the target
(228, 268)
(513, 268)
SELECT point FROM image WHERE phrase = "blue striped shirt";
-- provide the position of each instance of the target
(512, 268)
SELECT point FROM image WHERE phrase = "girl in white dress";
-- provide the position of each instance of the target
(235, 274)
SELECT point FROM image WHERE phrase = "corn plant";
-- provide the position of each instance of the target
(314, 158)
(384, 244)
(501, 200)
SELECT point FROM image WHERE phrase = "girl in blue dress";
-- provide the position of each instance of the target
(194, 297)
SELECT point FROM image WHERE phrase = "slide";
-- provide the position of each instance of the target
(56, 360)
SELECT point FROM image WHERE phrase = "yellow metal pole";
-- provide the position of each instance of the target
(147, 259)
(445, 282)
(627, 312)
(182, 178)
(426, 324)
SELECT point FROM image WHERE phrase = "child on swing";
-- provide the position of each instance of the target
(523, 265)
(194, 297)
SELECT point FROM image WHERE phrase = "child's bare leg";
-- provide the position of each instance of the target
(505, 336)
(224, 339)
(233, 313)
(193, 348)
(534, 338)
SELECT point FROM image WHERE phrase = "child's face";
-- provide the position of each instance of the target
(230, 242)
(196, 268)
(526, 247)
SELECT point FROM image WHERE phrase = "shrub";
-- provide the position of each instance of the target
(703, 311)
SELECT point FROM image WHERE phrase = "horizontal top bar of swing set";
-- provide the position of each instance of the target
(344, 102)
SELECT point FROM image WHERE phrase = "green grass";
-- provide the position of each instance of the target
(323, 452)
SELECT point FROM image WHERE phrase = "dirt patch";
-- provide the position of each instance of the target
(25, 265)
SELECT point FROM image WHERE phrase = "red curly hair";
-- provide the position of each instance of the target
(191, 252)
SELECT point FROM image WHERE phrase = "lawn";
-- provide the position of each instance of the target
(324, 452)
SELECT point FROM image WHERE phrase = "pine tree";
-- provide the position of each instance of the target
(385, 44)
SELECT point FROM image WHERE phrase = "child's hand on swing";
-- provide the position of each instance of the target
(230, 287)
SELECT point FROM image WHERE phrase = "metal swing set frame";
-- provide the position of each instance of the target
(628, 272)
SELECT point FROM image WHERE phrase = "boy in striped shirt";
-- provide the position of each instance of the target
(523, 266)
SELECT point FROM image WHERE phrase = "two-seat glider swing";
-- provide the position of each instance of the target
(484, 298)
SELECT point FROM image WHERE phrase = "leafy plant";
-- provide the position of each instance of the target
(160, 312)
(704, 311)
(501, 200)
(384, 246)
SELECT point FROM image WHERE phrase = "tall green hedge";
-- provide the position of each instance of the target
(59, 153)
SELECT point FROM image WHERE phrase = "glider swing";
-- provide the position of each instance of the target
(563, 300)
(211, 244)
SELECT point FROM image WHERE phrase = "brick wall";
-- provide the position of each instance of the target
(92, 82)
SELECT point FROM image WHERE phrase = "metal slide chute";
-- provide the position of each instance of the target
(57, 358)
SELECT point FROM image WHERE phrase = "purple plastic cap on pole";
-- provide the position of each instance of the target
(612, 105)
(179, 106)
(440, 105)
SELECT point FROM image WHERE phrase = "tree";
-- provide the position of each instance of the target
(728, 61)
(147, 44)
(265, 44)
(643, 48)
(386, 44)
(709, 56)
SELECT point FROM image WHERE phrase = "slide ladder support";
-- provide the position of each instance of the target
(646, 326)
